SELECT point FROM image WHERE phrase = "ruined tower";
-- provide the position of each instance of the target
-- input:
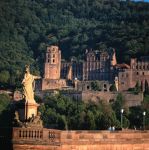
(53, 63)
(52, 70)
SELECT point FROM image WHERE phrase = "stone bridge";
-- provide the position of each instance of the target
(50, 139)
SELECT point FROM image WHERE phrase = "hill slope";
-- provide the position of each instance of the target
(27, 27)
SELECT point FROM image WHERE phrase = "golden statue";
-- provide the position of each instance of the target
(28, 85)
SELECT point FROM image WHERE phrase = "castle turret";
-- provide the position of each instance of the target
(53, 63)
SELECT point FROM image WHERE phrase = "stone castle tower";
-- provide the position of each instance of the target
(53, 63)
(52, 70)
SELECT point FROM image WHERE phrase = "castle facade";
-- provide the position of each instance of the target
(97, 65)
(137, 73)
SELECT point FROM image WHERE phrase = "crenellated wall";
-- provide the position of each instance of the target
(49, 139)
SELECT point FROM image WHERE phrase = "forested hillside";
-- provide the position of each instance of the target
(28, 26)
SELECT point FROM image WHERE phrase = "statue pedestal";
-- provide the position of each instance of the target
(27, 110)
(30, 110)
(26, 115)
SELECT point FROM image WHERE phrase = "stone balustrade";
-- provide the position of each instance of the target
(41, 135)
(30, 134)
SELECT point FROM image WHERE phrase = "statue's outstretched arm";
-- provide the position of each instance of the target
(37, 77)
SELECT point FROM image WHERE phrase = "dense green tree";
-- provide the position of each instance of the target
(6, 112)
(108, 117)
(65, 113)
(146, 90)
(117, 106)
(4, 102)
(137, 88)
(119, 103)
(135, 117)
(113, 88)
(145, 107)
(95, 85)
(27, 27)
(4, 77)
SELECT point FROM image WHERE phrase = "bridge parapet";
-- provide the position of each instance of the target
(36, 135)
(42, 138)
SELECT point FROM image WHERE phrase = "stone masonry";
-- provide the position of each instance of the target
(138, 72)
(49, 139)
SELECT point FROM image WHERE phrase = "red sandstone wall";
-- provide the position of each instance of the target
(35, 147)
(85, 147)
(104, 140)
(130, 99)
(53, 84)
(106, 147)
(25, 139)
